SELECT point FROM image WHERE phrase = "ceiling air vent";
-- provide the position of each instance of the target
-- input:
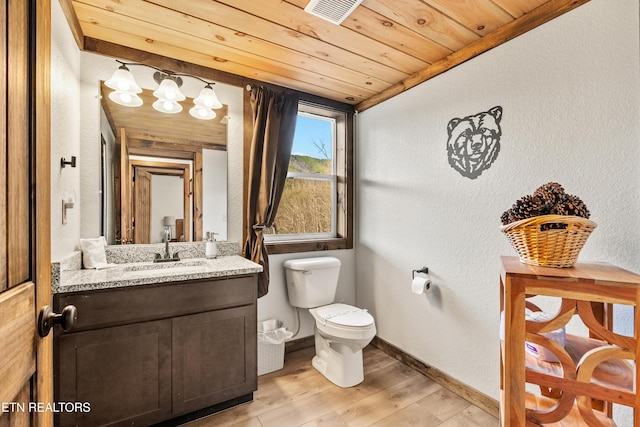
(334, 11)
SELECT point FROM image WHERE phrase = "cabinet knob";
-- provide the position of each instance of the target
(48, 318)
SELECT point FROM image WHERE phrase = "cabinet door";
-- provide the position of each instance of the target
(123, 373)
(213, 357)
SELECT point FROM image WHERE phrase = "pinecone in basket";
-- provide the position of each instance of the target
(548, 199)
(571, 205)
(551, 194)
(526, 207)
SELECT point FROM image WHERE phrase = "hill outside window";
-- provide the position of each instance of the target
(314, 210)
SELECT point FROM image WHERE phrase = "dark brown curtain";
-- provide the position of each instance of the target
(274, 124)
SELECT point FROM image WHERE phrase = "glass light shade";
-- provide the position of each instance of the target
(202, 113)
(166, 106)
(168, 91)
(125, 98)
(122, 80)
(208, 98)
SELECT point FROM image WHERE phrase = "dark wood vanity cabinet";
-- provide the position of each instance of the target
(145, 354)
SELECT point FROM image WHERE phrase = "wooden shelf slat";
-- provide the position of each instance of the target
(573, 419)
(615, 374)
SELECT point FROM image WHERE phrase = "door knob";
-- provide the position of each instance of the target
(48, 318)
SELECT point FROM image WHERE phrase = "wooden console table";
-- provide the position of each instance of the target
(593, 372)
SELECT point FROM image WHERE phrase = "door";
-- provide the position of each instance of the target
(213, 357)
(124, 372)
(148, 211)
(141, 206)
(25, 249)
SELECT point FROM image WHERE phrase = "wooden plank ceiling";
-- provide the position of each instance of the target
(383, 48)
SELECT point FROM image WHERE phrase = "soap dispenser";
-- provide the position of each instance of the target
(212, 246)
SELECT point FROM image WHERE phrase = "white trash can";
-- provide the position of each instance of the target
(271, 339)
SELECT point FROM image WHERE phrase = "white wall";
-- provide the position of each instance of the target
(214, 189)
(108, 209)
(569, 92)
(166, 200)
(65, 134)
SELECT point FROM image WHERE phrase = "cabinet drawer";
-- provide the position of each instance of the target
(120, 306)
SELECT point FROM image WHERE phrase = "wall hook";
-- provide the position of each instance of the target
(64, 162)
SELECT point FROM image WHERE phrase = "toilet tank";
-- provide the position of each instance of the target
(312, 282)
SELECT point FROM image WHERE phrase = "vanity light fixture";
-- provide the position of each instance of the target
(206, 101)
(125, 88)
(208, 98)
(168, 92)
(202, 113)
(166, 106)
(126, 99)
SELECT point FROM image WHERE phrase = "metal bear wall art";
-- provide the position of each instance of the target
(474, 142)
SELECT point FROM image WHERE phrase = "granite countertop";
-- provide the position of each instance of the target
(144, 273)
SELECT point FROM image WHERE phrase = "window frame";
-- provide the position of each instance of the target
(343, 164)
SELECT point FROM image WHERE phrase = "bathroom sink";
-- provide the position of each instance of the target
(166, 265)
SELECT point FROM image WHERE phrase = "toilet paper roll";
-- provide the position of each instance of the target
(420, 284)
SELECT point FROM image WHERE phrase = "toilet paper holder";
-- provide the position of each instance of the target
(424, 270)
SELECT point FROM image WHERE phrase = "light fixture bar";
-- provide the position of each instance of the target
(164, 73)
(168, 93)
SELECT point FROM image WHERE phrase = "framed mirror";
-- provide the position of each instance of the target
(146, 156)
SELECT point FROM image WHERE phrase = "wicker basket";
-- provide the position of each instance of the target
(549, 240)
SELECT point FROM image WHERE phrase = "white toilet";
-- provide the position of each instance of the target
(341, 330)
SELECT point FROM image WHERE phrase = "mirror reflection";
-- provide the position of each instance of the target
(161, 173)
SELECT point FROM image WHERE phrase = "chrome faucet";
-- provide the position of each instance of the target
(167, 255)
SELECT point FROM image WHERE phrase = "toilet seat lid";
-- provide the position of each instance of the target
(344, 315)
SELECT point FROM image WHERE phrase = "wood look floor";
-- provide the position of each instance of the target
(392, 394)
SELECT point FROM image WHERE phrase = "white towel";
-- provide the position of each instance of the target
(93, 253)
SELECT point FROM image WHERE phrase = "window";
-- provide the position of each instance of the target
(314, 212)
(307, 208)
